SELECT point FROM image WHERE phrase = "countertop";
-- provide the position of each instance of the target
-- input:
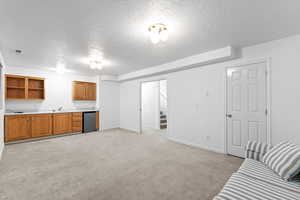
(50, 111)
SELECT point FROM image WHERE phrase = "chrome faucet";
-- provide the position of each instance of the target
(60, 108)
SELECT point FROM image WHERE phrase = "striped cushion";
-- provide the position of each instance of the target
(256, 150)
(258, 170)
(284, 159)
(241, 187)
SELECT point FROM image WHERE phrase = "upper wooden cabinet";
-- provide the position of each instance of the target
(15, 87)
(84, 91)
(24, 88)
(90, 91)
(36, 89)
(79, 90)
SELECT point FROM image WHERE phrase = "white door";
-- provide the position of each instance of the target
(246, 106)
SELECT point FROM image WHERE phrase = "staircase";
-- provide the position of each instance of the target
(163, 120)
(163, 104)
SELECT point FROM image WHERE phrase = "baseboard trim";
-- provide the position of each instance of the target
(43, 138)
(1, 149)
(109, 129)
(129, 130)
(195, 145)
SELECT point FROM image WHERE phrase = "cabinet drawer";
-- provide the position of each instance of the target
(77, 114)
(77, 129)
(77, 124)
(77, 119)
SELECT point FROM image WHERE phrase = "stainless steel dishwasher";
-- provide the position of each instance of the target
(89, 121)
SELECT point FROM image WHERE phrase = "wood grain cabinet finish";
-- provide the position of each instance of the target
(84, 91)
(97, 120)
(91, 91)
(41, 125)
(77, 122)
(17, 127)
(24, 88)
(20, 127)
(79, 90)
(62, 123)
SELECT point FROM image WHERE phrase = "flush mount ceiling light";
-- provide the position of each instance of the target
(60, 67)
(158, 32)
(96, 59)
(96, 64)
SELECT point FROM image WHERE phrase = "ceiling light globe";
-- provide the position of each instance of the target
(99, 66)
(164, 35)
(60, 68)
(158, 32)
(93, 65)
(154, 38)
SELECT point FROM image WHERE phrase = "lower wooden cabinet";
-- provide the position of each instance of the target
(17, 127)
(41, 125)
(97, 120)
(77, 121)
(20, 127)
(62, 123)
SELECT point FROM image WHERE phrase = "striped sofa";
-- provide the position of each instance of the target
(254, 181)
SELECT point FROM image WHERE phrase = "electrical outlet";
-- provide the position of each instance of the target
(207, 93)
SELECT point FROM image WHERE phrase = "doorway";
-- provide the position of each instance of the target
(246, 106)
(154, 107)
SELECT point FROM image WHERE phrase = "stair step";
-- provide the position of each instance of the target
(163, 121)
(163, 126)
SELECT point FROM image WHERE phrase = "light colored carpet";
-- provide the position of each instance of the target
(114, 165)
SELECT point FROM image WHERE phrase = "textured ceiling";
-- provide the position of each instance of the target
(48, 30)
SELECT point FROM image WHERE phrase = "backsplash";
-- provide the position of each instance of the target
(58, 91)
(29, 106)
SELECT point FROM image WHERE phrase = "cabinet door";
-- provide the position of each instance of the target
(91, 91)
(79, 91)
(41, 125)
(17, 127)
(62, 123)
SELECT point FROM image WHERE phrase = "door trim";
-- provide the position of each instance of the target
(140, 101)
(268, 96)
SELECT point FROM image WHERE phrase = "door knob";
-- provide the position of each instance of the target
(229, 115)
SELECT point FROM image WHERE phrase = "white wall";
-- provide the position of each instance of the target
(59, 93)
(130, 105)
(2, 105)
(109, 104)
(58, 90)
(150, 105)
(196, 103)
